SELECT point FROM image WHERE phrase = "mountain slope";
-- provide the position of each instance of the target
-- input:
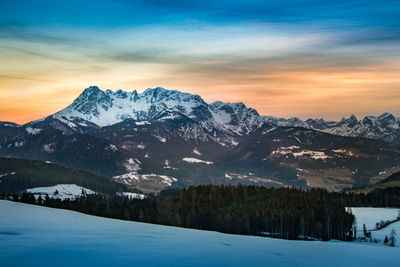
(320, 159)
(21, 174)
(389, 183)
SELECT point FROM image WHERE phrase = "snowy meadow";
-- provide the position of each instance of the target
(32, 235)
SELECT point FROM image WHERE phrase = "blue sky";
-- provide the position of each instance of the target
(284, 58)
(117, 13)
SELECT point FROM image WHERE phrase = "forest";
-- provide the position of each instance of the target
(387, 197)
(289, 213)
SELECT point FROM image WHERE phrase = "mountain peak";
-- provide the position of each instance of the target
(91, 89)
(90, 92)
(353, 117)
(233, 105)
(89, 96)
(386, 115)
(156, 90)
(388, 120)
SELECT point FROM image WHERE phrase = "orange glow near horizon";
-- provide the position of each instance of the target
(286, 94)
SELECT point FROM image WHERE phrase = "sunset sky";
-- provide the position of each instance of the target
(299, 58)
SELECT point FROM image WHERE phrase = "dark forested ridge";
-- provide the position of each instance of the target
(20, 174)
(284, 212)
(386, 197)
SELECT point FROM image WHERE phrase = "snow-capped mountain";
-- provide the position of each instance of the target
(96, 108)
(105, 108)
(235, 117)
(223, 122)
(384, 127)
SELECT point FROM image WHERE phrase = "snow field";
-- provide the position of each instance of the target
(33, 236)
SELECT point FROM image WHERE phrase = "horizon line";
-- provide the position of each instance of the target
(141, 91)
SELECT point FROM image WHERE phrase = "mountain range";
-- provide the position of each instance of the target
(95, 108)
(161, 137)
(384, 127)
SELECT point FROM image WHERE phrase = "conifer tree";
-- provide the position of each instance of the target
(392, 238)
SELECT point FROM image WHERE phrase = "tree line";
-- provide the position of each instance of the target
(388, 197)
(289, 213)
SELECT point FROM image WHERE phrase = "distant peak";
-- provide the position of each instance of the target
(217, 103)
(121, 94)
(220, 103)
(239, 104)
(295, 119)
(386, 115)
(320, 120)
(156, 89)
(92, 88)
(90, 91)
(352, 117)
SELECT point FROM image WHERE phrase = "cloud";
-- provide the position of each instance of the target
(22, 78)
(15, 30)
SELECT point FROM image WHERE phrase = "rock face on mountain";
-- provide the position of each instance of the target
(161, 137)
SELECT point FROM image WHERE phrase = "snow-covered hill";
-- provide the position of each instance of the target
(371, 216)
(33, 236)
(382, 233)
(61, 191)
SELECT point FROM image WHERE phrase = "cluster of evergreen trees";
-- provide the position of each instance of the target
(388, 197)
(284, 212)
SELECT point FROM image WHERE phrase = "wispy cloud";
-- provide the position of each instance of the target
(22, 78)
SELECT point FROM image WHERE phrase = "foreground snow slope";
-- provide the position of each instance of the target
(33, 236)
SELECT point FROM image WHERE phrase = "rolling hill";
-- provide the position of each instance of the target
(20, 174)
